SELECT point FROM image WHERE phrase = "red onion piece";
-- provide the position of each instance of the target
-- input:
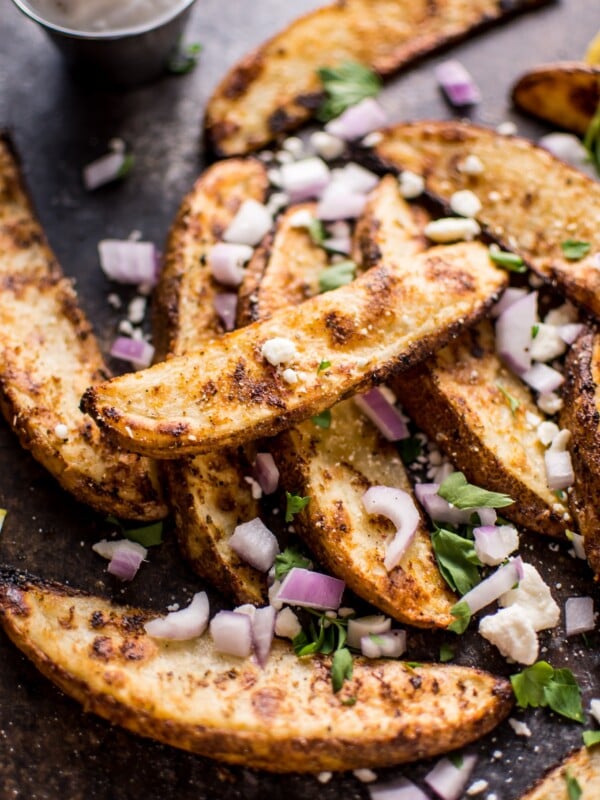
(232, 633)
(448, 781)
(487, 516)
(252, 221)
(385, 645)
(439, 509)
(494, 543)
(303, 587)
(358, 120)
(136, 351)
(458, 85)
(265, 472)
(579, 615)
(559, 469)
(363, 626)
(126, 261)
(543, 378)
(103, 170)
(263, 629)
(509, 297)
(304, 179)
(338, 203)
(390, 422)
(570, 332)
(355, 178)
(255, 544)
(399, 507)
(125, 557)
(513, 333)
(178, 626)
(499, 582)
(338, 244)
(227, 262)
(398, 789)
(225, 304)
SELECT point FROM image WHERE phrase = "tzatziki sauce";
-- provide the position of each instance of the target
(102, 15)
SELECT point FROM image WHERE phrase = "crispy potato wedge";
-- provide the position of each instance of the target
(282, 718)
(518, 190)
(583, 765)
(208, 494)
(275, 88)
(387, 319)
(580, 415)
(565, 94)
(461, 398)
(48, 354)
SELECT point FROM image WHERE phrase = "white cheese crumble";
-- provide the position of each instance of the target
(560, 441)
(136, 311)
(255, 489)
(411, 184)
(293, 145)
(477, 787)
(324, 777)
(465, 203)
(61, 431)
(472, 165)
(301, 219)
(546, 432)
(547, 343)
(372, 139)
(326, 145)
(279, 350)
(287, 624)
(365, 775)
(506, 541)
(520, 728)
(563, 315)
(290, 375)
(550, 403)
(512, 634)
(507, 128)
(595, 708)
(276, 202)
(452, 229)
(533, 599)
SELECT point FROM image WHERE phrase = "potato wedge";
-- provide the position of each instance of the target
(387, 319)
(461, 398)
(208, 494)
(565, 94)
(48, 354)
(580, 415)
(275, 88)
(518, 189)
(282, 718)
(582, 765)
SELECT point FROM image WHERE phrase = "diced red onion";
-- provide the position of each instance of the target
(355, 178)
(305, 179)
(303, 587)
(390, 422)
(559, 469)
(339, 244)
(358, 120)
(458, 85)
(579, 615)
(232, 633)
(263, 629)
(255, 544)
(398, 789)
(448, 781)
(509, 297)
(126, 261)
(225, 304)
(439, 509)
(399, 507)
(487, 516)
(337, 203)
(125, 557)
(265, 472)
(181, 625)
(227, 262)
(363, 626)
(513, 333)
(103, 170)
(494, 543)
(252, 221)
(385, 645)
(570, 332)
(136, 351)
(499, 582)
(543, 378)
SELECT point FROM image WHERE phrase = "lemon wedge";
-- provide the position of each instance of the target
(592, 54)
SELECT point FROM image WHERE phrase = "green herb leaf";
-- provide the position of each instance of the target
(591, 140)
(461, 494)
(446, 652)
(341, 668)
(457, 560)
(591, 738)
(345, 86)
(508, 261)
(287, 560)
(293, 504)
(462, 614)
(323, 366)
(126, 166)
(574, 250)
(322, 420)
(528, 685)
(184, 59)
(336, 275)
(148, 536)
(542, 685)
(410, 449)
(316, 231)
(349, 701)
(513, 403)
(456, 759)
(535, 329)
(573, 788)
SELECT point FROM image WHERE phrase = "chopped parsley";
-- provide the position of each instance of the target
(543, 686)
(126, 166)
(316, 231)
(461, 494)
(345, 86)
(327, 635)
(513, 403)
(508, 261)
(184, 59)
(457, 560)
(322, 420)
(446, 652)
(462, 614)
(293, 504)
(535, 329)
(410, 449)
(591, 140)
(336, 275)
(147, 535)
(341, 668)
(591, 738)
(323, 366)
(575, 250)
(287, 560)
(573, 788)
(456, 759)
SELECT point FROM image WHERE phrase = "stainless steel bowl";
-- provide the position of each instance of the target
(124, 57)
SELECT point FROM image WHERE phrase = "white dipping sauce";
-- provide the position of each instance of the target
(102, 15)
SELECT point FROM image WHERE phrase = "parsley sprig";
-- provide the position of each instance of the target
(543, 686)
(574, 249)
(336, 275)
(461, 494)
(591, 140)
(327, 635)
(345, 86)
(457, 559)
(147, 535)
(288, 559)
(294, 503)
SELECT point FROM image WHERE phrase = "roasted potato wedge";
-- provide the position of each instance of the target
(565, 94)
(48, 354)
(580, 415)
(583, 766)
(282, 718)
(518, 189)
(207, 493)
(387, 319)
(461, 398)
(275, 88)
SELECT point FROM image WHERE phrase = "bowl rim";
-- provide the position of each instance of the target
(118, 33)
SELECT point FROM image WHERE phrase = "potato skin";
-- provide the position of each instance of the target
(583, 765)
(282, 718)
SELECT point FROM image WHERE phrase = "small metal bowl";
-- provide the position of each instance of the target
(125, 57)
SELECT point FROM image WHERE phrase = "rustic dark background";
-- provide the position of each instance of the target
(49, 748)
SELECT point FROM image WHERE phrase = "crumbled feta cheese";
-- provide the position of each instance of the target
(520, 728)
(247, 608)
(547, 343)
(279, 350)
(293, 145)
(61, 431)
(477, 787)
(287, 624)
(324, 777)
(136, 310)
(411, 184)
(512, 634)
(472, 165)
(276, 202)
(114, 301)
(283, 157)
(550, 403)
(255, 488)
(563, 315)
(345, 611)
(507, 128)
(272, 594)
(533, 600)
(301, 219)
(290, 375)
(326, 145)
(372, 139)
(465, 203)
(595, 709)
(560, 441)
(452, 229)
(125, 327)
(546, 432)
(365, 775)
(506, 541)
(533, 420)
(274, 176)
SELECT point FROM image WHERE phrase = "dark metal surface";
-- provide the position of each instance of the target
(49, 748)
